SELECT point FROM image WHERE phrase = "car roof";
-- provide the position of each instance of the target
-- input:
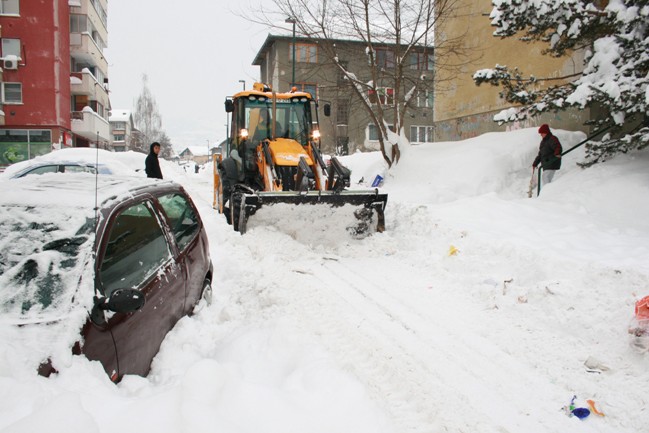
(107, 162)
(75, 190)
(33, 166)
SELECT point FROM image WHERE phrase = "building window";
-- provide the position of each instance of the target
(97, 107)
(373, 132)
(22, 144)
(304, 53)
(342, 78)
(384, 58)
(119, 125)
(10, 47)
(40, 136)
(9, 7)
(118, 137)
(342, 112)
(307, 88)
(421, 134)
(425, 99)
(79, 101)
(101, 12)
(78, 23)
(421, 61)
(384, 95)
(12, 93)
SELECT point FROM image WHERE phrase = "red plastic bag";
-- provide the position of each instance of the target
(639, 326)
(642, 309)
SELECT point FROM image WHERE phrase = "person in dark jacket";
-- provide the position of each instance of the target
(549, 154)
(151, 164)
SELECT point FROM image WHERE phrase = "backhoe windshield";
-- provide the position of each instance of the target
(292, 118)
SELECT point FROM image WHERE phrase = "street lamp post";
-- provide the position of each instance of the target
(291, 20)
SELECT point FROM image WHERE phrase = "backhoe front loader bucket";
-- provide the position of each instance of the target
(368, 213)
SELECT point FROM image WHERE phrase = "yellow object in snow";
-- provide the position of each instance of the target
(452, 250)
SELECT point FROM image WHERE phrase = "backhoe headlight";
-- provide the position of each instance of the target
(316, 134)
(243, 133)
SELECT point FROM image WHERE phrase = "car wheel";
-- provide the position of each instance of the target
(206, 297)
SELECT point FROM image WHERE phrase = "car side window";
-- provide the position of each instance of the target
(44, 169)
(183, 219)
(75, 169)
(135, 250)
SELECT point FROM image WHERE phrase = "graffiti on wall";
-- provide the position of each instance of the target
(466, 127)
(471, 126)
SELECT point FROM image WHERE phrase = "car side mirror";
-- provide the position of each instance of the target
(123, 301)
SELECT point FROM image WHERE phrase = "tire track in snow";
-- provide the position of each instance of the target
(417, 390)
(360, 350)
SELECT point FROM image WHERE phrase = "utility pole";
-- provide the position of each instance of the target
(292, 20)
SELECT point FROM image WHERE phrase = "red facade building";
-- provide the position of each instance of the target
(53, 79)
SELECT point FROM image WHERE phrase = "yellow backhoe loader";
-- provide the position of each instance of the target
(272, 155)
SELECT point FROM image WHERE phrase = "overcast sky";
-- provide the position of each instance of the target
(194, 54)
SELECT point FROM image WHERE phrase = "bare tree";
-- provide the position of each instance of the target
(146, 116)
(166, 148)
(137, 143)
(405, 26)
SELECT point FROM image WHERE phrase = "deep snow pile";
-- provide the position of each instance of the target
(478, 309)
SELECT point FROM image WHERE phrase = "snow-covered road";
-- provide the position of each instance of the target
(477, 310)
(492, 338)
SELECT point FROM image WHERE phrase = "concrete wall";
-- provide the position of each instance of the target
(461, 128)
(464, 110)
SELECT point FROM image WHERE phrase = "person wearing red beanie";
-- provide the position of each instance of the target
(549, 155)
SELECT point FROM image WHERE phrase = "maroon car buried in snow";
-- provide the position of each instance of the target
(99, 266)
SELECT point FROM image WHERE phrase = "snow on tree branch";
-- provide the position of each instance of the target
(614, 35)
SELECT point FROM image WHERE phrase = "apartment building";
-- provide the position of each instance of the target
(54, 85)
(121, 129)
(462, 109)
(349, 127)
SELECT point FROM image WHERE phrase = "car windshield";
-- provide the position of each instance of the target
(42, 254)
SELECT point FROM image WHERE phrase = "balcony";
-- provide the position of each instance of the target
(85, 83)
(84, 48)
(89, 125)
(82, 83)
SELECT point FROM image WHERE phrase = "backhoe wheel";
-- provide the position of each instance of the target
(235, 209)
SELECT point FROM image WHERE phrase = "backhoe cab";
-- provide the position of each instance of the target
(272, 156)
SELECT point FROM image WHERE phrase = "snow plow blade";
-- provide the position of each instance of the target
(369, 212)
